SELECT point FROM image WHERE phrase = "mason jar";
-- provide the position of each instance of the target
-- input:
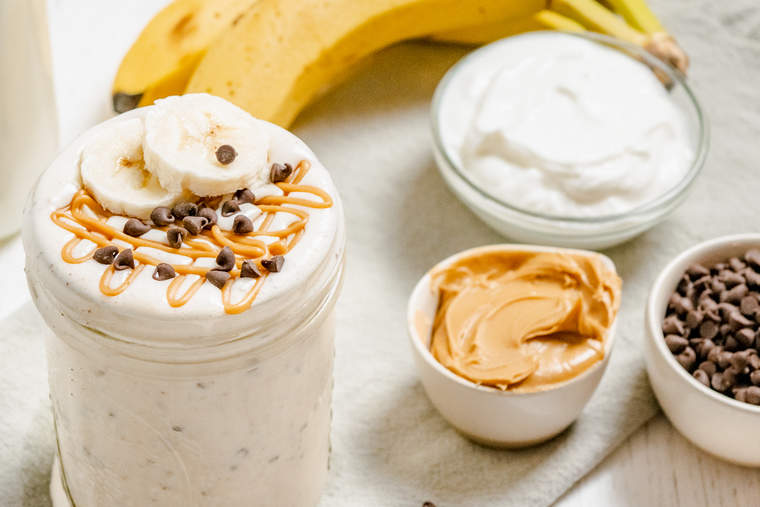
(187, 406)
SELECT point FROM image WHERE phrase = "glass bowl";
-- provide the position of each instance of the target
(571, 231)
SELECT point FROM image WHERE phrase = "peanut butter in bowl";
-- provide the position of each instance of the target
(521, 320)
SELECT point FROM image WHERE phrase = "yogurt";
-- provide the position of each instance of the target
(556, 124)
(189, 405)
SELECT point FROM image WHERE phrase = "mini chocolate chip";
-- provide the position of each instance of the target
(672, 325)
(736, 320)
(702, 377)
(753, 278)
(245, 196)
(730, 278)
(740, 394)
(717, 286)
(225, 259)
(194, 225)
(106, 254)
(163, 272)
(217, 278)
(676, 343)
(749, 305)
(249, 269)
(230, 207)
(279, 172)
(683, 305)
(124, 260)
(708, 329)
(753, 258)
(162, 216)
(754, 377)
(717, 382)
(725, 330)
(736, 264)
(210, 215)
(175, 236)
(740, 360)
(729, 377)
(745, 336)
(242, 225)
(135, 228)
(708, 367)
(697, 271)
(705, 347)
(754, 361)
(753, 395)
(714, 354)
(724, 359)
(273, 264)
(184, 209)
(684, 286)
(225, 154)
(735, 295)
(702, 283)
(718, 267)
(732, 343)
(694, 319)
(674, 299)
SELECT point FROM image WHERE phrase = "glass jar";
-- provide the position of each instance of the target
(187, 406)
(221, 425)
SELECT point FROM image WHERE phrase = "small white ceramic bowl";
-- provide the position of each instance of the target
(484, 414)
(720, 425)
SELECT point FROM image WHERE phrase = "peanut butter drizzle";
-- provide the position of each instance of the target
(87, 220)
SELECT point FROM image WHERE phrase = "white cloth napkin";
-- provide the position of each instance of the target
(390, 447)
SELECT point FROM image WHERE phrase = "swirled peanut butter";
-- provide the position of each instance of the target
(523, 321)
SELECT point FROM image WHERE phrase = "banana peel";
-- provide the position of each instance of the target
(168, 49)
(542, 20)
(283, 53)
(166, 55)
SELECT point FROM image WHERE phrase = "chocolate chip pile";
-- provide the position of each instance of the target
(712, 325)
(190, 219)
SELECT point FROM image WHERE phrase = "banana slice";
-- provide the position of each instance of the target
(183, 134)
(113, 170)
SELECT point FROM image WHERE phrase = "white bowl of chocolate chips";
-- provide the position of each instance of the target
(703, 322)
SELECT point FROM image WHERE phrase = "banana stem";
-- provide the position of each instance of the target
(598, 18)
(638, 14)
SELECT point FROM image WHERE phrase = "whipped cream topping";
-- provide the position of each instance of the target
(141, 313)
(556, 124)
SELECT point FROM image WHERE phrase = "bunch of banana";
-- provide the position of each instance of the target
(273, 57)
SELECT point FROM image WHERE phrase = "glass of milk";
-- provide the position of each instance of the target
(28, 125)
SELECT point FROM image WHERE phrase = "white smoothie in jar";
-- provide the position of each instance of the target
(210, 387)
(555, 124)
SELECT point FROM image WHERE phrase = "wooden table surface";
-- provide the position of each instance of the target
(659, 467)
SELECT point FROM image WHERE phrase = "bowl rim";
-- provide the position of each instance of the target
(424, 352)
(661, 201)
(654, 322)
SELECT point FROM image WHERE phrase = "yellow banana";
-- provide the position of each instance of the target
(638, 14)
(542, 20)
(282, 53)
(170, 46)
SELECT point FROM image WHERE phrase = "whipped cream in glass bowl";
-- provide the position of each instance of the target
(567, 139)
(195, 367)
